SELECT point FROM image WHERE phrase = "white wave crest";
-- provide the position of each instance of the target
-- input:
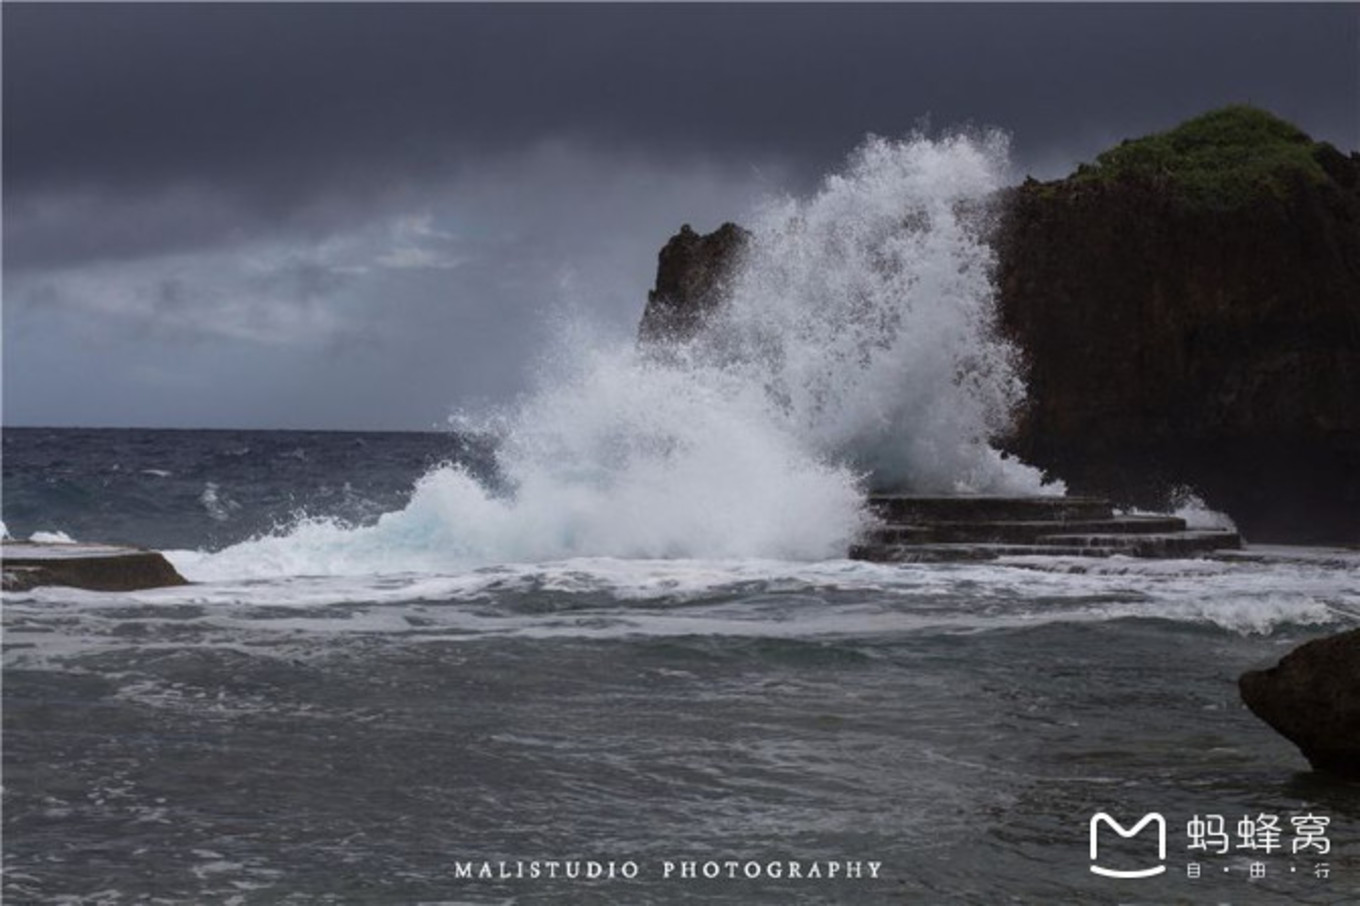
(56, 537)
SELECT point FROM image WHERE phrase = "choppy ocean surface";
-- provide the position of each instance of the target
(609, 630)
(376, 736)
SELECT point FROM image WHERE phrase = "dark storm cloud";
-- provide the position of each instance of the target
(279, 98)
(139, 108)
(392, 194)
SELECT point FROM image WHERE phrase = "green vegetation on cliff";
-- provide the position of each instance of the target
(1221, 159)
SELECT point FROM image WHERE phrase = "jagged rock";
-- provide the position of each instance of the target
(1312, 698)
(691, 278)
(1188, 309)
(97, 567)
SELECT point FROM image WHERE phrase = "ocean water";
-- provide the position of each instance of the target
(603, 646)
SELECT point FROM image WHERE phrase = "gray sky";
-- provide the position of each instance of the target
(362, 216)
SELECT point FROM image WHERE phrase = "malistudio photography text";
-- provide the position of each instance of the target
(668, 869)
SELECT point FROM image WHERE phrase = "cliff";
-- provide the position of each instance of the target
(1188, 309)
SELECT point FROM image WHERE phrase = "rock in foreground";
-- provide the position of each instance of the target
(1312, 698)
(96, 567)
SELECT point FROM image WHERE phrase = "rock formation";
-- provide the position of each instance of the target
(691, 276)
(1312, 698)
(1188, 310)
(96, 567)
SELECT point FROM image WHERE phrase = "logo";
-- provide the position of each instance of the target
(1150, 818)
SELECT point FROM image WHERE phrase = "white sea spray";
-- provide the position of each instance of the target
(868, 314)
(858, 348)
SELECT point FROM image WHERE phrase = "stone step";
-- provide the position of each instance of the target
(1022, 532)
(1173, 544)
(912, 509)
(97, 567)
(961, 553)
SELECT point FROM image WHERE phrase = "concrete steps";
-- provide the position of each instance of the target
(1179, 544)
(1022, 532)
(957, 553)
(942, 529)
(910, 508)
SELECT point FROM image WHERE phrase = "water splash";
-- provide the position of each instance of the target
(1191, 507)
(858, 347)
(868, 312)
(218, 506)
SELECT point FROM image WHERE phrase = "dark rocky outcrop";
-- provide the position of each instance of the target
(1191, 316)
(96, 567)
(1188, 311)
(1312, 698)
(691, 276)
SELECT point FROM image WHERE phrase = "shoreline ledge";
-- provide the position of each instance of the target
(94, 567)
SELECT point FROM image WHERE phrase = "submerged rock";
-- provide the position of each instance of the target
(1188, 312)
(1312, 698)
(96, 567)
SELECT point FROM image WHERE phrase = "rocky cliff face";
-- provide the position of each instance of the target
(1193, 335)
(1189, 312)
